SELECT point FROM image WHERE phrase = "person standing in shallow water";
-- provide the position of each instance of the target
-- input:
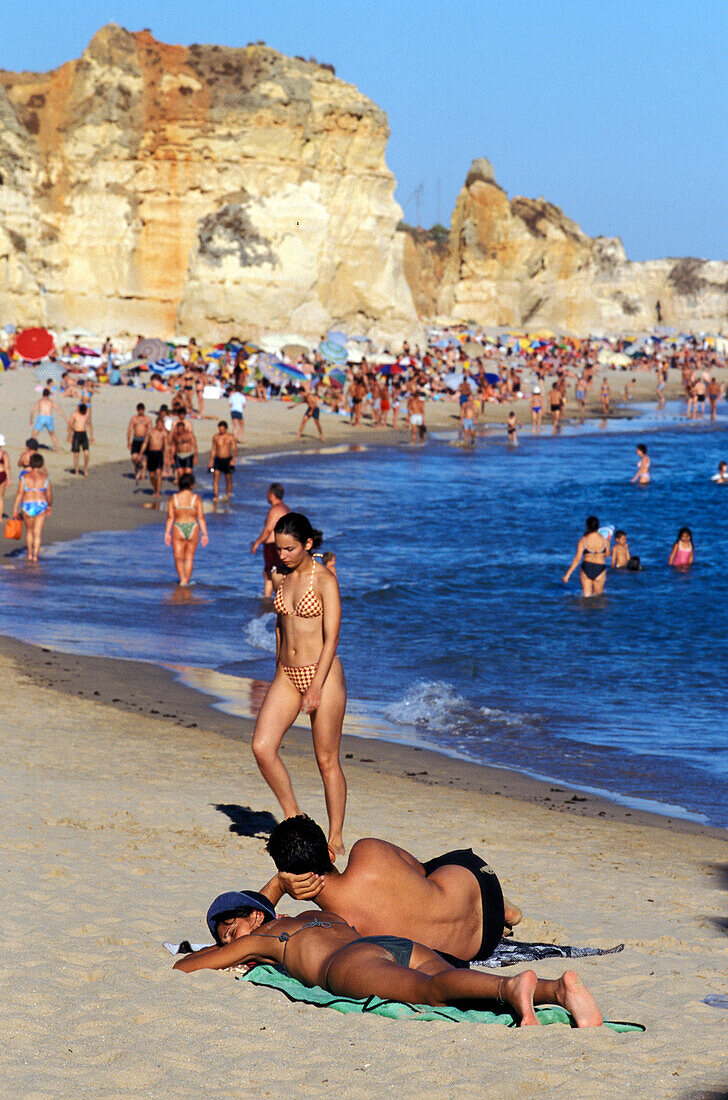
(592, 552)
(185, 527)
(683, 552)
(308, 677)
(642, 477)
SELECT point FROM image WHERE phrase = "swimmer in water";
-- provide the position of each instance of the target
(683, 551)
(721, 478)
(593, 549)
(512, 427)
(642, 477)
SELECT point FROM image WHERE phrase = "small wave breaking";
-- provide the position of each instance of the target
(260, 633)
(436, 707)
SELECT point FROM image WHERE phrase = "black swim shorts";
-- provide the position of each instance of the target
(155, 461)
(222, 465)
(490, 893)
(270, 558)
(136, 444)
(79, 442)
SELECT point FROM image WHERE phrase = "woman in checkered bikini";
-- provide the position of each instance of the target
(309, 676)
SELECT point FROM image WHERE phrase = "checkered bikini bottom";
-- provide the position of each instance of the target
(301, 676)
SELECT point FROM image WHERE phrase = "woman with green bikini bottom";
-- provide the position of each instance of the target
(185, 524)
(321, 949)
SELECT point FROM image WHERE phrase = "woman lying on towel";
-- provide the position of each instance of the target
(319, 948)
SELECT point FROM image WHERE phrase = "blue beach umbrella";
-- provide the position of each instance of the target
(333, 352)
(336, 337)
(279, 373)
(166, 368)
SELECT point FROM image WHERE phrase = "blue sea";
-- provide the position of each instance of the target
(458, 633)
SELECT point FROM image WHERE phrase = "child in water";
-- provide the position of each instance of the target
(512, 427)
(721, 478)
(620, 551)
(683, 552)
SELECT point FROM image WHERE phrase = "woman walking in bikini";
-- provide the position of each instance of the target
(308, 676)
(592, 552)
(185, 524)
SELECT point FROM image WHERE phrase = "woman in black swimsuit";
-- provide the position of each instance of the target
(321, 949)
(593, 549)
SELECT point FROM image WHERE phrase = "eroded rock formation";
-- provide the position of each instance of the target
(523, 264)
(203, 190)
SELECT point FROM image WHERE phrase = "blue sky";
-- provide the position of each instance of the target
(614, 110)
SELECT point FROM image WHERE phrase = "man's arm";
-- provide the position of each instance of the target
(264, 534)
(304, 887)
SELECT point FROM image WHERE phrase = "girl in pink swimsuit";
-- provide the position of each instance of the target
(682, 552)
(309, 676)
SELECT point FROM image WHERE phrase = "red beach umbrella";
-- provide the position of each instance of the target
(34, 344)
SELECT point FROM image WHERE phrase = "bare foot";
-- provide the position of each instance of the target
(512, 914)
(518, 992)
(337, 846)
(574, 996)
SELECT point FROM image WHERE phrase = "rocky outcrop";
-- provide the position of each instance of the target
(157, 189)
(523, 264)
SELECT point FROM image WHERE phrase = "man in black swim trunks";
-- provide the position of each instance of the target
(453, 903)
(136, 433)
(223, 452)
(267, 538)
(154, 450)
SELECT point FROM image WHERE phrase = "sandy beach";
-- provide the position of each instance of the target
(120, 829)
(130, 804)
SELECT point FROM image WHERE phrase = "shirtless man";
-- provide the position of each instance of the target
(187, 384)
(357, 393)
(154, 449)
(182, 446)
(79, 429)
(469, 415)
(556, 405)
(136, 433)
(312, 412)
(41, 416)
(5, 473)
(452, 904)
(267, 538)
(223, 452)
(713, 395)
(416, 416)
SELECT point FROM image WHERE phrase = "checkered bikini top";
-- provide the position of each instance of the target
(308, 607)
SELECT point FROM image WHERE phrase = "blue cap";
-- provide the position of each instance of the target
(236, 899)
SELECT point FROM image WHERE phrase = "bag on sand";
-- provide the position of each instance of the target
(13, 528)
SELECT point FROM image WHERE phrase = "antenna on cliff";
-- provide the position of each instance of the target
(417, 196)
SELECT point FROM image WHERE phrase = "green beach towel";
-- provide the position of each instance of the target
(273, 977)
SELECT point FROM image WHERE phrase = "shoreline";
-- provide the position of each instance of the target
(100, 506)
(156, 693)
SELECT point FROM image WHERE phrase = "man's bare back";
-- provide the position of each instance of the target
(384, 890)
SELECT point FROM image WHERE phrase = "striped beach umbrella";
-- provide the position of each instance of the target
(332, 351)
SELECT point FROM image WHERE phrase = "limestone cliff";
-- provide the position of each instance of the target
(157, 189)
(523, 264)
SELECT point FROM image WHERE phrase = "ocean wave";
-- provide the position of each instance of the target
(260, 633)
(435, 706)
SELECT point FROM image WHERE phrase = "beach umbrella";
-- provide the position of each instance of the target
(10, 329)
(332, 351)
(133, 364)
(151, 349)
(166, 367)
(336, 376)
(34, 344)
(391, 368)
(280, 373)
(337, 337)
(294, 350)
(453, 380)
(5, 360)
(492, 379)
(49, 372)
